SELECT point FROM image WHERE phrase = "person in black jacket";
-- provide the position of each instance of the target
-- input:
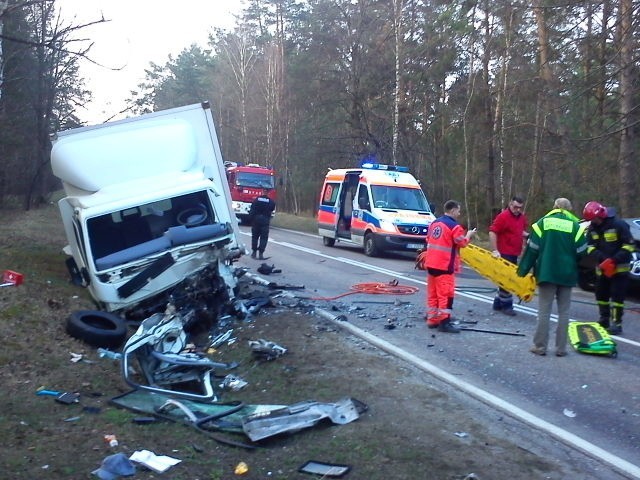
(610, 240)
(260, 212)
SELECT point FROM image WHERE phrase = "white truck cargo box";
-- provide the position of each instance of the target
(147, 205)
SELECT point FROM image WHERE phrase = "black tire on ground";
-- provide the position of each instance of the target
(370, 249)
(328, 242)
(99, 329)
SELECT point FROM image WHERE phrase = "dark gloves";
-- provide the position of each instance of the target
(608, 267)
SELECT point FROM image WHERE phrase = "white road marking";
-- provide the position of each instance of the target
(563, 435)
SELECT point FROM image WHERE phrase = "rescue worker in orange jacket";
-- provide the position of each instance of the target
(609, 240)
(442, 260)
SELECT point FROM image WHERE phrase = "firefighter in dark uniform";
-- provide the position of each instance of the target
(610, 240)
(260, 212)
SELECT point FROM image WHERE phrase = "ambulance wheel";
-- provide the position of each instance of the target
(328, 242)
(98, 329)
(370, 249)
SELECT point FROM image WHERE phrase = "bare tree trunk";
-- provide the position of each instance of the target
(626, 169)
(397, 28)
(498, 123)
(542, 106)
(490, 187)
(241, 60)
(3, 7)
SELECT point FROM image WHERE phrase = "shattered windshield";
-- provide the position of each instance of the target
(260, 180)
(145, 225)
(399, 198)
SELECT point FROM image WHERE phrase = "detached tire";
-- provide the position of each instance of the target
(99, 329)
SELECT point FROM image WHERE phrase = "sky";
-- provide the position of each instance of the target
(139, 32)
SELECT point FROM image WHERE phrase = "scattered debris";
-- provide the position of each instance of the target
(114, 466)
(266, 350)
(241, 468)
(498, 332)
(61, 397)
(233, 383)
(157, 463)
(75, 357)
(569, 413)
(295, 417)
(158, 347)
(104, 353)
(268, 269)
(324, 469)
(11, 279)
(111, 440)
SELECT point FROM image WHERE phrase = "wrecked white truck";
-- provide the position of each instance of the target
(147, 206)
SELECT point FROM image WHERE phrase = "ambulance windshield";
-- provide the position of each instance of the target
(399, 198)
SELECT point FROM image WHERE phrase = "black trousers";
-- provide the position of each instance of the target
(259, 234)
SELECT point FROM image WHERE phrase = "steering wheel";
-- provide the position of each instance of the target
(193, 216)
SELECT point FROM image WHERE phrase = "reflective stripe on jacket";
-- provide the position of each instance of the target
(556, 243)
(444, 239)
(611, 239)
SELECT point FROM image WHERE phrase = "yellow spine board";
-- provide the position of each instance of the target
(500, 271)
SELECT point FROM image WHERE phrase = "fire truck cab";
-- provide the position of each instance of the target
(378, 207)
(246, 183)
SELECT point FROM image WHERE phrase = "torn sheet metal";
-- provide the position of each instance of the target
(158, 348)
(256, 421)
(298, 416)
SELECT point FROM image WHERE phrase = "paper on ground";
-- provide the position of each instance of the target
(157, 463)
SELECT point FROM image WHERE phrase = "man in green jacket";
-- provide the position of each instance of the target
(556, 243)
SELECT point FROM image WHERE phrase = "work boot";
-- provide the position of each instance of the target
(615, 329)
(605, 314)
(497, 304)
(253, 254)
(448, 327)
(260, 256)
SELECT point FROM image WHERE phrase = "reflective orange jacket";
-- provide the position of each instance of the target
(446, 236)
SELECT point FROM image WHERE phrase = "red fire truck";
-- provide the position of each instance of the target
(247, 182)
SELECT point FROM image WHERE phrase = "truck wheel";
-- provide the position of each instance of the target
(328, 242)
(99, 329)
(370, 249)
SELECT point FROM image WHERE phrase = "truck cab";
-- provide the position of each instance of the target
(147, 205)
(248, 182)
(377, 207)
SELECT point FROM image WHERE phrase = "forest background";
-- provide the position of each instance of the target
(481, 99)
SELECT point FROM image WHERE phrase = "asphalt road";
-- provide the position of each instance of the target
(588, 402)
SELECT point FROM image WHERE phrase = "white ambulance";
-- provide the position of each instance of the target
(378, 207)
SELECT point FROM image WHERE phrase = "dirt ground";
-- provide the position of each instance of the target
(415, 427)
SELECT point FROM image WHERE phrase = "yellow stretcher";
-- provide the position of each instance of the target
(499, 271)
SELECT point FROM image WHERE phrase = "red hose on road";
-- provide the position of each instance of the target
(378, 288)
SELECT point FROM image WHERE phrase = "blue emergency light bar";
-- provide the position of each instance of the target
(382, 166)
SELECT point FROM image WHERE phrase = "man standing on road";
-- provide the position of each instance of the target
(442, 260)
(260, 212)
(609, 240)
(506, 237)
(555, 245)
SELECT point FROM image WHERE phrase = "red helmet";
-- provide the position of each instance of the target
(594, 210)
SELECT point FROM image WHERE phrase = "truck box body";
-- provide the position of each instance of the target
(147, 204)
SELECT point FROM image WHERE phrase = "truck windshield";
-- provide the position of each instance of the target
(261, 180)
(125, 230)
(399, 198)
